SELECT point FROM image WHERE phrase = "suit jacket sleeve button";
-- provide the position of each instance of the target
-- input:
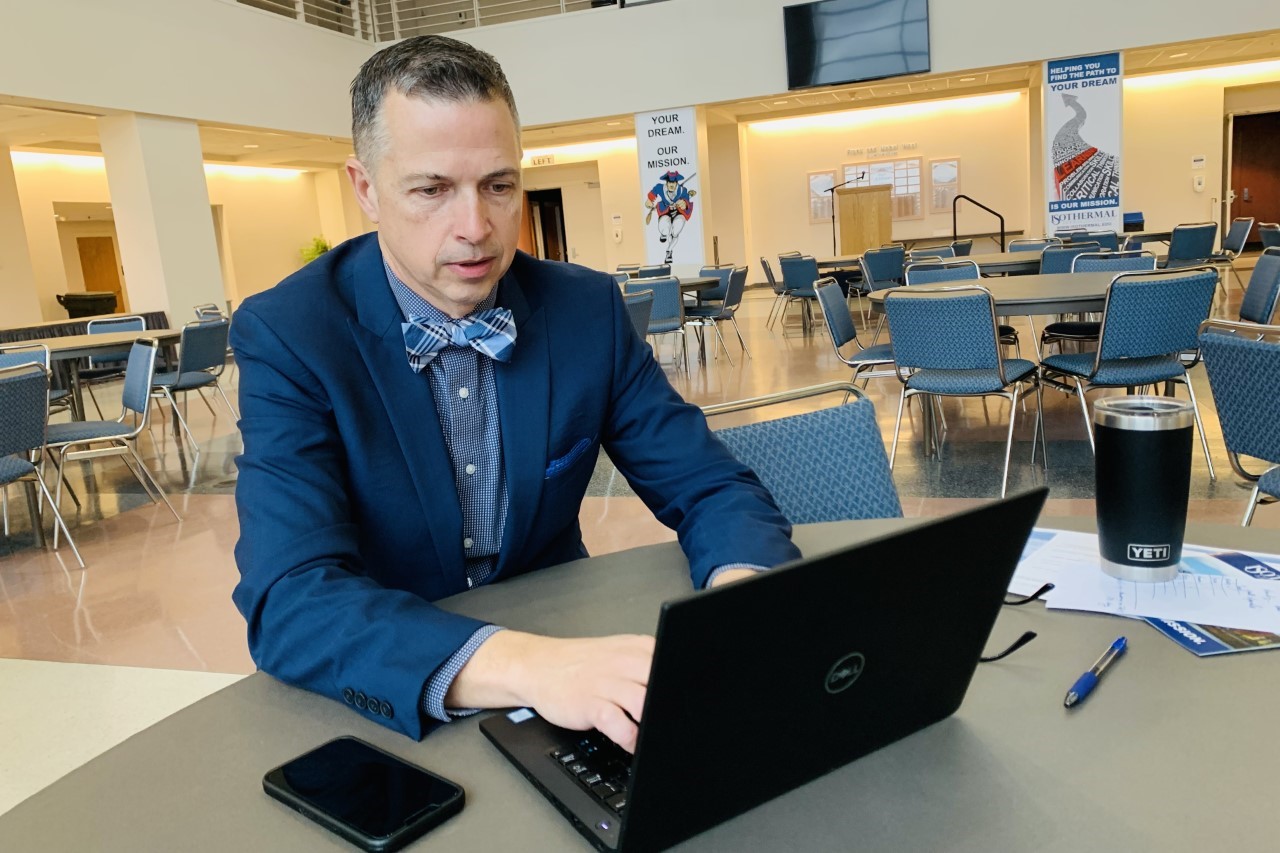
(361, 701)
(387, 710)
(348, 695)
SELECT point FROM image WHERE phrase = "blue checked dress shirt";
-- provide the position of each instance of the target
(466, 398)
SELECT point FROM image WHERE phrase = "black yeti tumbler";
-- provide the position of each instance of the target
(1143, 476)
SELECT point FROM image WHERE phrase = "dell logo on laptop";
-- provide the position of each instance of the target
(844, 672)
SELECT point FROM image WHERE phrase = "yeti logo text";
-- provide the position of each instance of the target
(1148, 553)
(844, 672)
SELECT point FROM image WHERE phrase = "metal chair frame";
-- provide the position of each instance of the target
(184, 368)
(838, 338)
(1014, 389)
(123, 323)
(734, 289)
(1050, 377)
(34, 373)
(1257, 333)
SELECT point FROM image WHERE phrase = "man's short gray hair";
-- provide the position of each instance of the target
(427, 67)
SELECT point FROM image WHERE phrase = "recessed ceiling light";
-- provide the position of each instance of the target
(967, 79)
(780, 102)
(251, 145)
(1178, 55)
(612, 123)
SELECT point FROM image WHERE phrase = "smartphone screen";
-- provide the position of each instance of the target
(366, 795)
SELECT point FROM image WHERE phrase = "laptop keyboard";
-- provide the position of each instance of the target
(600, 766)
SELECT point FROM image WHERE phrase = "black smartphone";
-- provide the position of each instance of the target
(369, 797)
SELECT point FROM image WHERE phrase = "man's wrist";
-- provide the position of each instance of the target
(434, 696)
(737, 570)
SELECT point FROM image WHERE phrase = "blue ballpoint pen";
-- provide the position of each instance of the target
(1084, 684)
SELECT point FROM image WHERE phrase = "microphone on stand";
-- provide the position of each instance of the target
(833, 189)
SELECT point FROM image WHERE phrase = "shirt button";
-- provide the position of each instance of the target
(468, 542)
(470, 469)
(464, 392)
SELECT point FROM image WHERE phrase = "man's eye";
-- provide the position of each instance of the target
(429, 191)
(501, 188)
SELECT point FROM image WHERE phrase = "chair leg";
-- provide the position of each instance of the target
(88, 386)
(1044, 446)
(225, 399)
(1008, 443)
(1195, 410)
(720, 343)
(58, 522)
(1084, 409)
(173, 404)
(741, 341)
(205, 400)
(1253, 504)
(154, 482)
(4, 502)
(897, 426)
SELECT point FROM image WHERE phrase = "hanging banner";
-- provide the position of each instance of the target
(667, 146)
(1082, 109)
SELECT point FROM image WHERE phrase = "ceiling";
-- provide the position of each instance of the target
(71, 130)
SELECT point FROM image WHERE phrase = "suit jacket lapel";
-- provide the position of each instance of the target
(411, 408)
(524, 401)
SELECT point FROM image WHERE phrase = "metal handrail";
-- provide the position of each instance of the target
(955, 234)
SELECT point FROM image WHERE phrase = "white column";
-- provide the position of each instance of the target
(19, 301)
(161, 205)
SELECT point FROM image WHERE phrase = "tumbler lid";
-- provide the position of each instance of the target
(1143, 413)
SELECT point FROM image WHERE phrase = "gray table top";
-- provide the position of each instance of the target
(1029, 294)
(1146, 764)
(987, 262)
(79, 346)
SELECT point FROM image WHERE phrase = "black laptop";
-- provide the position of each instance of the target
(762, 685)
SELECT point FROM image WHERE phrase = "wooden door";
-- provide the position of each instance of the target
(101, 271)
(1255, 168)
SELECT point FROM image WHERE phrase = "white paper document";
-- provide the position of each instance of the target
(1199, 594)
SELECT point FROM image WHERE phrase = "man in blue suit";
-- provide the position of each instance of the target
(422, 409)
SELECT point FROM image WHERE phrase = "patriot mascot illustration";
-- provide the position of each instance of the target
(672, 200)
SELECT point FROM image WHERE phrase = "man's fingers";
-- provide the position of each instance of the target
(615, 725)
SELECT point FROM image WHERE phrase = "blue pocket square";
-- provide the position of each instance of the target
(558, 465)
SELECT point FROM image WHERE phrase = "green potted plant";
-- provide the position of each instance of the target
(317, 247)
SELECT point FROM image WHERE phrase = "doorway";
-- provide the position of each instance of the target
(100, 268)
(546, 215)
(1255, 169)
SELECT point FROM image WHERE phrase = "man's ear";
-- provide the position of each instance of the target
(366, 192)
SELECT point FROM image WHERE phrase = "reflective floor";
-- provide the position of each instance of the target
(156, 592)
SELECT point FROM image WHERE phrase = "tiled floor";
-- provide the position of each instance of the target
(156, 593)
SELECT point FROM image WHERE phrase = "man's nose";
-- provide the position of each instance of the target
(472, 223)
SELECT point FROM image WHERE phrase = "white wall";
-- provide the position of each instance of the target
(218, 61)
(267, 216)
(579, 185)
(989, 135)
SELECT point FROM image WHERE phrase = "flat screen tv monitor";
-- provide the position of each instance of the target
(831, 42)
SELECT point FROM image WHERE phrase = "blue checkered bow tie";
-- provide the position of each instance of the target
(491, 332)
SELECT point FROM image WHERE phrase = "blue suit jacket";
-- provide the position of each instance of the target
(349, 519)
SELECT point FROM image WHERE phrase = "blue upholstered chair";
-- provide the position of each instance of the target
(1108, 240)
(823, 465)
(654, 271)
(835, 310)
(629, 269)
(799, 274)
(620, 278)
(881, 268)
(108, 368)
(667, 314)
(1191, 245)
(79, 440)
(202, 356)
(1243, 363)
(24, 417)
(1269, 234)
(715, 294)
(1033, 244)
(962, 248)
(1148, 322)
(1057, 260)
(1260, 296)
(724, 311)
(1083, 331)
(1233, 245)
(964, 362)
(639, 308)
(923, 252)
(954, 271)
(12, 355)
(779, 293)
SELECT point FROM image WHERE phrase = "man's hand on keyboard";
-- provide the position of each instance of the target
(594, 682)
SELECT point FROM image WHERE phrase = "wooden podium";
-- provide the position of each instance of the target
(866, 220)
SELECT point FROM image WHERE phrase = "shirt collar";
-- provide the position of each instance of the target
(413, 305)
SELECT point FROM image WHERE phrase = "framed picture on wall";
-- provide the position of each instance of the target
(944, 184)
(820, 184)
(903, 175)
